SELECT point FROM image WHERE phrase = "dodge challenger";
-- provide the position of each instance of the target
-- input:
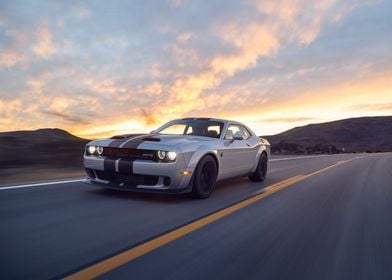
(184, 155)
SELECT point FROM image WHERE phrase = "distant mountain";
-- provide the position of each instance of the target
(43, 147)
(59, 148)
(366, 134)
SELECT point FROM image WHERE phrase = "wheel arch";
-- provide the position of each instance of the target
(194, 191)
(214, 156)
(199, 157)
(264, 149)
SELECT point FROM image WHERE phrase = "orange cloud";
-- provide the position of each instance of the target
(104, 86)
(7, 110)
(182, 75)
(347, 93)
(44, 46)
(10, 57)
(325, 103)
(14, 52)
(149, 118)
(250, 41)
(184, 37)
(287, 119)
(109, 129)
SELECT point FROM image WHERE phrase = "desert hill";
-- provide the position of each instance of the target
(365, 134)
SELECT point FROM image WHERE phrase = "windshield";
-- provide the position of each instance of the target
(192, 127)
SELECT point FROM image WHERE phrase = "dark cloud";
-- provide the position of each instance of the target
(68, 117)
(148, 117)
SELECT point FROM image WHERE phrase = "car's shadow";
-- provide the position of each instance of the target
(224, 189)
(140, 196)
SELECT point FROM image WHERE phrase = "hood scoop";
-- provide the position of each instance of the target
(150, 139)
(125, 136)
(118, 137)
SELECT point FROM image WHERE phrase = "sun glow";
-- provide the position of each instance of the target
(270, 64)
(105, 131)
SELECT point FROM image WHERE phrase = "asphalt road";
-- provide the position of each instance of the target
(335, 223)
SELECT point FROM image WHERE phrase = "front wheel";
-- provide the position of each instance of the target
(261, 170)
(204, 177)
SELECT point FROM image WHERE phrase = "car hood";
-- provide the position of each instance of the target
(133, 140)
(173, 140)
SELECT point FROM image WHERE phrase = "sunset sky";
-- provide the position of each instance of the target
(97, 68)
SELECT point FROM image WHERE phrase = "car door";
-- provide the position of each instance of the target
(236, 155)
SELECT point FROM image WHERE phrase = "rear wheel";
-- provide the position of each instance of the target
(204, 177)
(261, 170)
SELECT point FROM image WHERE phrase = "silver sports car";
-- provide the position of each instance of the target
(184, 155)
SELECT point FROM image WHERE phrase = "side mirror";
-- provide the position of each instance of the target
(237, 136)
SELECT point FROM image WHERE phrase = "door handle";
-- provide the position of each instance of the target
(247, 144)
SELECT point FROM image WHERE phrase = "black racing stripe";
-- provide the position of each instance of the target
(109, 164)
(136, 141)
(118, 141)
(125, 166)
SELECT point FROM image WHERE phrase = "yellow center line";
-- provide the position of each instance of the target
(111, 263)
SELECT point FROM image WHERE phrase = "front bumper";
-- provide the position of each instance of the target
(134, 175)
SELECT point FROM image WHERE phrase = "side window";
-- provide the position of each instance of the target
(214, 131)
(189, 131)
(234, 129)
(231, 131)
(245, 132)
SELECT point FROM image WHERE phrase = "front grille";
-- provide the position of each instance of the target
(131, 180)
(128, 153)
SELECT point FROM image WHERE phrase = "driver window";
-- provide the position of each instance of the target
(189, 131)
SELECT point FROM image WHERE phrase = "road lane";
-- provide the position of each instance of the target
(334, 225)
(54, 230)
(43, 183)
(32, 185)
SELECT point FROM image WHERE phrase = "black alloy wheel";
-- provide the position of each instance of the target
(205, 177)
(261, 170)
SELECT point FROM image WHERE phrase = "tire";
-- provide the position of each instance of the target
(204, 177)
(261, 170)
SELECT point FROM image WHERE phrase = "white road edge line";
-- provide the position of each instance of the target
(81, 180)
(39, 184)
(291, 158)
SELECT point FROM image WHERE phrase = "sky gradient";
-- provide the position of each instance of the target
(99, 68)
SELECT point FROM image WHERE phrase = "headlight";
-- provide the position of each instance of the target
(171, 155)
(166, 156)
(91, 149)
(161, 155)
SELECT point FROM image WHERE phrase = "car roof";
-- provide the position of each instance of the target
(210, 119)
(224, 121)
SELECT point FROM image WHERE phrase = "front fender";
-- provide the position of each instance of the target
(263, 148)
(199, 154)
